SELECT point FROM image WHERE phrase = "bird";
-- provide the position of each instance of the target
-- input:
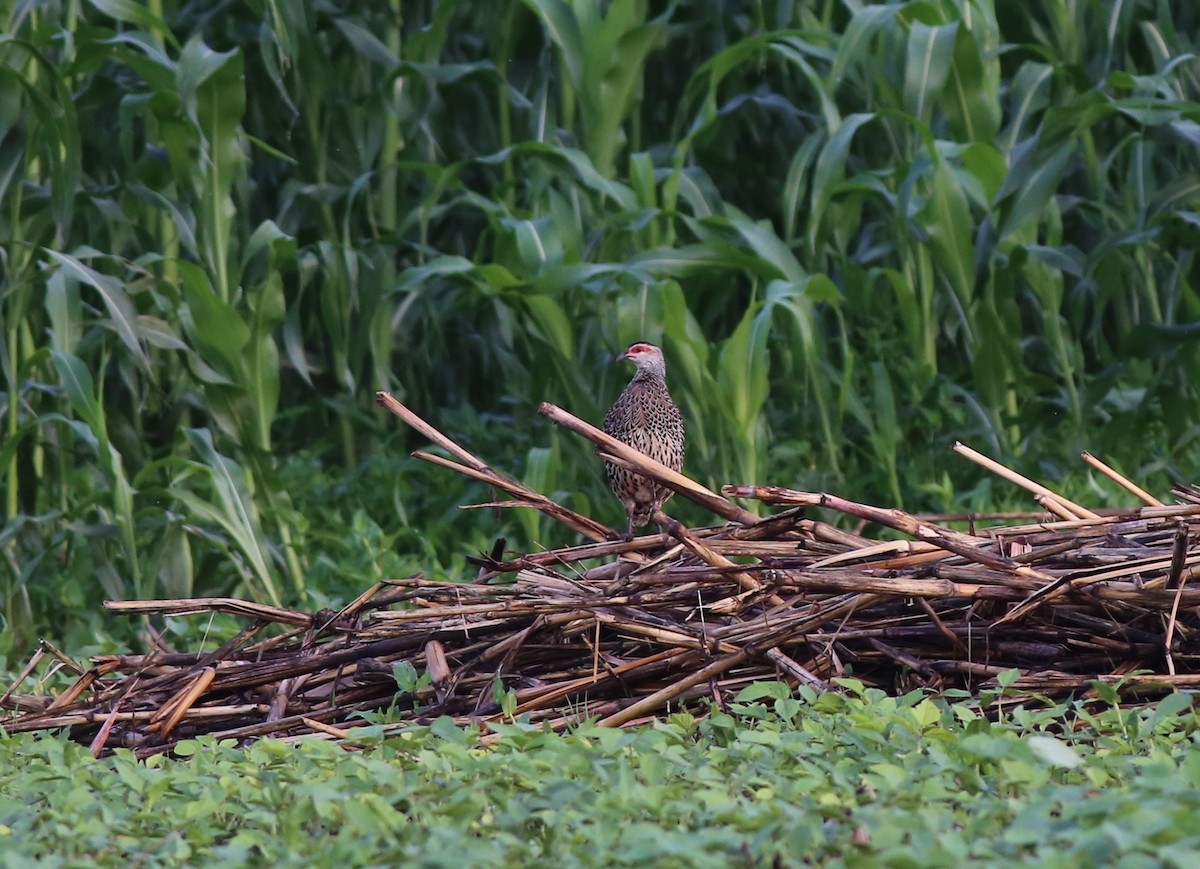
(645, 418)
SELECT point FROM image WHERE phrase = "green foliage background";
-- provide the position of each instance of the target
(861, 232)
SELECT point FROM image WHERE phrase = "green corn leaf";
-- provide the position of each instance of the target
(930, 54)
(219, 331)
(122, 315)
(563, 28)
(830, 170)
(1030, 183)
(552, 323)
(233, 510)
(768, 246)
(367, 43)
(212, 90)
(80, 387)
(947, 219)
(866, 25)
(138, 15)
(1028, 93)
(970, 99)
(54, 136)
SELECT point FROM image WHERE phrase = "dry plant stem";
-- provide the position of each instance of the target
(951, 541)
(236, 641)
(527, 497)
(1053, 505)
(665, 695)
(77, 689)
(1068, 584)
(97, 745)
(1176, 578)
(322, 727)
(1179, 555)
(62, 656)
(1136, 490)
(172, 713)
(889, 547)
(38, 654)
(676, 530)
(386, 400)
(474, 467)
(976, 517)
(793, 669)
(1024, 482)
(190, 606)
(1103, 523)
(942, 629)
(353, 608)
(648, 467)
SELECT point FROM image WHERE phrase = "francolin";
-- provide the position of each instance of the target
(645, 418)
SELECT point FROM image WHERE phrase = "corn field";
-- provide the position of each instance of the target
(860, 232)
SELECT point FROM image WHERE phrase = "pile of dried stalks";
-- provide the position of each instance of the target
(626, 630)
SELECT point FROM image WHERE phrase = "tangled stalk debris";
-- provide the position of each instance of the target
(623, 631)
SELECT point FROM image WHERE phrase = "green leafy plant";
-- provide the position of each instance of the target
(854, 777)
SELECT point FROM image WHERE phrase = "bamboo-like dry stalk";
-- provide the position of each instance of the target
(669, 620)
(1120, 480)
(643, 464)
(1013, 477)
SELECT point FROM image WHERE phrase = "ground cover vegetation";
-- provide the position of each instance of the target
(859, 779)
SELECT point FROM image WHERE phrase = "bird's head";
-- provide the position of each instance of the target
(646, 357)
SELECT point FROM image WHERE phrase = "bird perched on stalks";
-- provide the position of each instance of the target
(645, 418)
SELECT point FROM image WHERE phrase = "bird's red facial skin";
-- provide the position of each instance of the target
(637, 348)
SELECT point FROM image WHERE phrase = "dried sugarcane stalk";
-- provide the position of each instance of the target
(229, 605)
(526, 497)
(1024, 482)
(613, 449)
(1120, 480)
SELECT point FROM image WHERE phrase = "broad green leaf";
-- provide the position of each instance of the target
(767, 245)
(1027, 96)
(1068, 258)
(988, 168)
(1030, 184)
(866, 25)
(65, 312)
(563, 28)
(122, 315)
(552, 322)
(233, 510)
(830, 170)
(52, 132)
(136, 14)
(366, 43)
(212, 90)
(218, 331)
(1054, 752)
(795, 188)
(947, 220)
(930, 53)
(970, 99)
(80, 388)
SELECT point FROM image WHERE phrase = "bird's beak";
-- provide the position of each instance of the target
(624, 355)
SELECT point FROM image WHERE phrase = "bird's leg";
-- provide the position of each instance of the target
(629, 520)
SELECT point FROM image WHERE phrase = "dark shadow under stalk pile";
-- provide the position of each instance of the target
(625, 631)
